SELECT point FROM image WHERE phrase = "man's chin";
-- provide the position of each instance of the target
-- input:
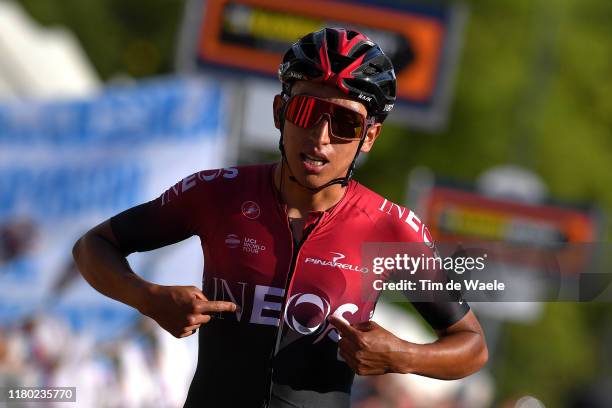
(314, 181)
(310, 179)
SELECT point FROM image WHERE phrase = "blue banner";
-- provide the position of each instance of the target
(66, 166)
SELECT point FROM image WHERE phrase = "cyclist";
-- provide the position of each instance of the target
(282, 316)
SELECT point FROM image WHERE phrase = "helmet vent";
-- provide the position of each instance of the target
(338, 61)
(362, 49)
(350, 34)
(372, 69)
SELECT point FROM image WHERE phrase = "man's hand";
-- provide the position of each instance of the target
(181, 310)
(367, 347)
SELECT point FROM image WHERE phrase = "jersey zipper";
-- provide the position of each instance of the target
(295, 249)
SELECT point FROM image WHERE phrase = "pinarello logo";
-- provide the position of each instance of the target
(305, 313)
(338, 256)
(250, 209)
(232, 241)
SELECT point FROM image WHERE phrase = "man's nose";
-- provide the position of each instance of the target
(321, 130)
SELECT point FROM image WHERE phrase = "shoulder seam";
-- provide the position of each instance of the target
(363, 210)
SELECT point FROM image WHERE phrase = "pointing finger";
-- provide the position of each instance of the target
(343, 327)
(215, 306)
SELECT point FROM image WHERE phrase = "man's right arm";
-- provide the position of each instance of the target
(102, 264)
(101, 253)
(180, 310)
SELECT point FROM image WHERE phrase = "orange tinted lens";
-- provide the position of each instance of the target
(346, 123)
(305, 111)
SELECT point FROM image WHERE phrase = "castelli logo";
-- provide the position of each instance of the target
(250, 209)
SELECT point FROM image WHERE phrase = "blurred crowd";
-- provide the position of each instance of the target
(146, 368)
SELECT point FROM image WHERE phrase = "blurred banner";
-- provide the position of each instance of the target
(66, 166)
(459, 215)
(548, 251)
(250, 37)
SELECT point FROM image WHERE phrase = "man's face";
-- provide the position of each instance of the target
(314, 155)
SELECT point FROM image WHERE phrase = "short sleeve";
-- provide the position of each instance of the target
(441, 308)
(172, 217)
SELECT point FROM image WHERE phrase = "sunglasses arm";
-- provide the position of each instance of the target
(370, 121)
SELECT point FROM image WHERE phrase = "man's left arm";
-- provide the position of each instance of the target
(369, 349)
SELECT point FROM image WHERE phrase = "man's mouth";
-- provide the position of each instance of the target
(313, 160)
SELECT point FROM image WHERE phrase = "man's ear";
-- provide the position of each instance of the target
(277, 108)
(371, 137)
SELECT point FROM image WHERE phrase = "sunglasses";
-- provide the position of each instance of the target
(305, 111)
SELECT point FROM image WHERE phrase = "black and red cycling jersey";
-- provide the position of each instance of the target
(278, 349)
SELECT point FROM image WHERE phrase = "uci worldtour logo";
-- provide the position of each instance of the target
(232, 241)
(335, 262)
(248, 244)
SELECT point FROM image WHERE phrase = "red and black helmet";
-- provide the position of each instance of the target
(347, 60)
